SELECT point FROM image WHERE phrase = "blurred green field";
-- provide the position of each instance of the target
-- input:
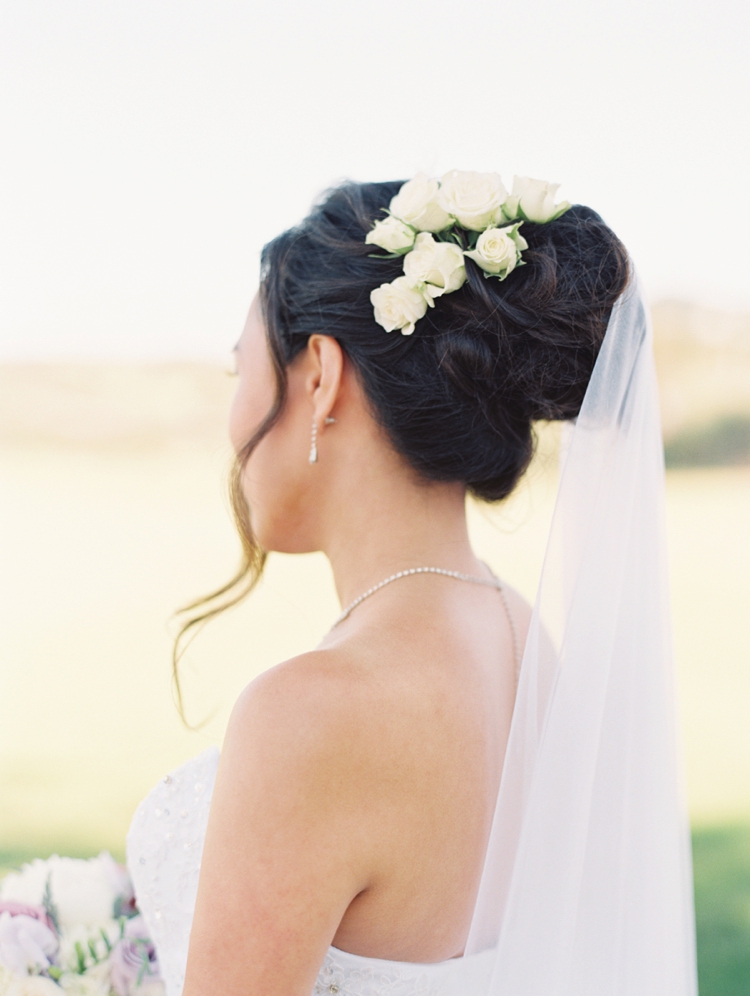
(721, 863)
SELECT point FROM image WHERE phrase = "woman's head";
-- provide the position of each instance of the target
(456, 400)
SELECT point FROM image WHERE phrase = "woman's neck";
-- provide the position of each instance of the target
(379, 531)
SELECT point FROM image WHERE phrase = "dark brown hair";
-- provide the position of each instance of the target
(459, 397)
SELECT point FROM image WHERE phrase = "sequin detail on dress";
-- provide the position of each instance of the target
(165, 845)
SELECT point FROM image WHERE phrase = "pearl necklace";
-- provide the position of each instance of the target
(489, 582)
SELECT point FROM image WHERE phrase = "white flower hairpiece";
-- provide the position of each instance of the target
(472, 214)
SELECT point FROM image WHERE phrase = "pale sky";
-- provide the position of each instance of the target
(151, 147)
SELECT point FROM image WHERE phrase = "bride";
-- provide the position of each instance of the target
(450, 794)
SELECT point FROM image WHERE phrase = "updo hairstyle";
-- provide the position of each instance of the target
(458, 398)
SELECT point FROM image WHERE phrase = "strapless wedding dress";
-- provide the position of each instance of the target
(164, 849)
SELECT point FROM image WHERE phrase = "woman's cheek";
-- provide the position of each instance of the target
(274, 487)
(247, 413)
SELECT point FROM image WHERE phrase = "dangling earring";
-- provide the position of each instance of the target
(313, 458)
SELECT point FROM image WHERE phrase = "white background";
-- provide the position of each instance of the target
(150, 147)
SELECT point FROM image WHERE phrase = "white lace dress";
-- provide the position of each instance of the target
(165, 844)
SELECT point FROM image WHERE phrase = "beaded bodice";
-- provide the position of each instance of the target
(165, 844)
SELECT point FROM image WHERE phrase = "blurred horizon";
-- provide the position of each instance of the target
(702, 356)
(673, 317)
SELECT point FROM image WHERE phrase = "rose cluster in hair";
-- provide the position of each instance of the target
(458, 398)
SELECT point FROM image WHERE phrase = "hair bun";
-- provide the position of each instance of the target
(459, 396)
(541, 329)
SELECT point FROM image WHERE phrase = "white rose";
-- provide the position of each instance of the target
(534, 200)
(392, 234)
(86, 891)
(85, 937)
(416, 203)
(474, 199)
(82, 891)
(498, 250)
(30, 985)
(439, 266)
(398, 305)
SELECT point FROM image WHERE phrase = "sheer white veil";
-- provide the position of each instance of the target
(587, 885)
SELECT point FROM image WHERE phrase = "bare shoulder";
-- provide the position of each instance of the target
(319, 682)
(278, 873)
(305, 716)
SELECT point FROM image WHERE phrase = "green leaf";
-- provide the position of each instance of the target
(81, 956)
(145, 968)
(49, 904)
(455, 236)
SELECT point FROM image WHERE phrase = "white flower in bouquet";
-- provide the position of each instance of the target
(392, 234)
(417, 204)
(94, 982)
(534, 200)
(475, 200)
(82, 946)
(26, 985)
(82, 892)
(27, 885)
(398, 305)
(437, 267)
(498, 250)
(26, 944)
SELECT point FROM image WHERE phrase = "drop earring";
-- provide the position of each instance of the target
(313, 458)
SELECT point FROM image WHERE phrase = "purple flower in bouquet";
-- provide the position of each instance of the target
(37, 912)
(28, 942)
(79, 891)
(134, 966)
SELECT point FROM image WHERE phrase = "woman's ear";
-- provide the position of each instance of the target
(325, 359)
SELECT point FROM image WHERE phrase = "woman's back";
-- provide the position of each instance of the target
(362, 778)
(430, 686)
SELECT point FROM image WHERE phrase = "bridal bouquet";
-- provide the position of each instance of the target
(70, 927)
